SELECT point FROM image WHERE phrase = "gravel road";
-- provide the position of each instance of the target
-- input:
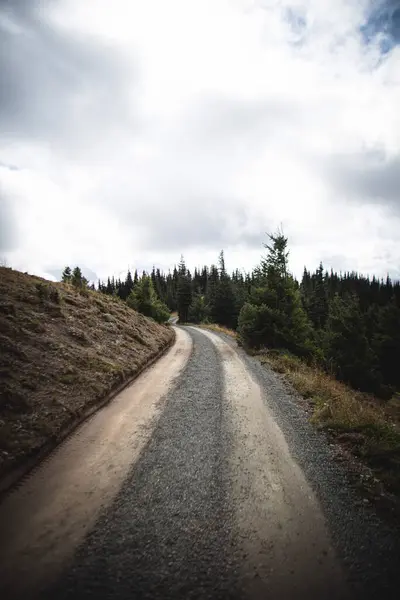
(203, 479)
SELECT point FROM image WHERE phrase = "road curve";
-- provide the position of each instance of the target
(201, 480)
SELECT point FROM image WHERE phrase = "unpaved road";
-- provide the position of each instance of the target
(203, 479)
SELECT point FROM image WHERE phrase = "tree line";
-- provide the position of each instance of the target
(346, 323)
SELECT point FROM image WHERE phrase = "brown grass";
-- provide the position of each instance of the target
(369, 427)
(218, 329)
(61, 352)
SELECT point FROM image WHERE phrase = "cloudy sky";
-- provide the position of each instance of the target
(134, 131)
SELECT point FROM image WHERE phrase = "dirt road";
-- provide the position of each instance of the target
(203, 479)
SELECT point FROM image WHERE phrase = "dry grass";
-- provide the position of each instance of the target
(218, 329)
(364, 424)
(61, 351)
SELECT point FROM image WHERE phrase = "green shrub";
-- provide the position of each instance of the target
(144, 300)
(198, 310)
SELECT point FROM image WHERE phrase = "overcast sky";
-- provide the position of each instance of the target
(134, 131)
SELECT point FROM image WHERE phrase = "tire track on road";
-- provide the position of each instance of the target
(278, 526)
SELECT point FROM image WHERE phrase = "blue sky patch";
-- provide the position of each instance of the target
(382, 25)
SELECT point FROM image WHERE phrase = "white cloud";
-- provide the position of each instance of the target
(147, 129)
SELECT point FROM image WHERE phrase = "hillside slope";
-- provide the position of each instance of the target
(61, 352)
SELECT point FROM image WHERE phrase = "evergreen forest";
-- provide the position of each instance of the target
(346, 323)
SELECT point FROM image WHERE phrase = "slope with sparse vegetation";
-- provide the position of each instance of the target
(363, 425)
(63, 349)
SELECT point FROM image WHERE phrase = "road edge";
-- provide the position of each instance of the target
(16, 477)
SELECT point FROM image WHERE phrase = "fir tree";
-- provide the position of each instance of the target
(386, 343)
(221, 298)
(77, 278)
(144, 299)
(184, 292)
(318, 302)
(346, 346)
(274, 316)
(109, 287)
(274, 265)
(198, 310)
(128, 286)
(66, 275)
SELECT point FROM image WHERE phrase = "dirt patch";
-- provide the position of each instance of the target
(61, 352)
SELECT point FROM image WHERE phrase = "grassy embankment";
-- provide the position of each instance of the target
(62, 352)
(370, 428)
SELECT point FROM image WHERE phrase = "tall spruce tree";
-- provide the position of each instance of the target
(347, 349)
(77, 279)
(386, 343)
(128, 285)
(274, 265)
(66, 275)
(318, 301)
(274, 316)
(221, 297)
(184, 292)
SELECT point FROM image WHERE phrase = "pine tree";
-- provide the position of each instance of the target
(128, 286)
(198, 310)
(144, 299)
(204, 280)
(221, 262)
(318, 301)
(77, 278)
(170, 292)
(221, 297)
(223, 306)
(346, 345)
(274, 316)
(386, 343)
(66, 275)
(274, 265)
(184, 292)
(109, 287)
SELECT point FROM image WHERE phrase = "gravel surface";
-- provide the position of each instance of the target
(166, 535)
(177, 527)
